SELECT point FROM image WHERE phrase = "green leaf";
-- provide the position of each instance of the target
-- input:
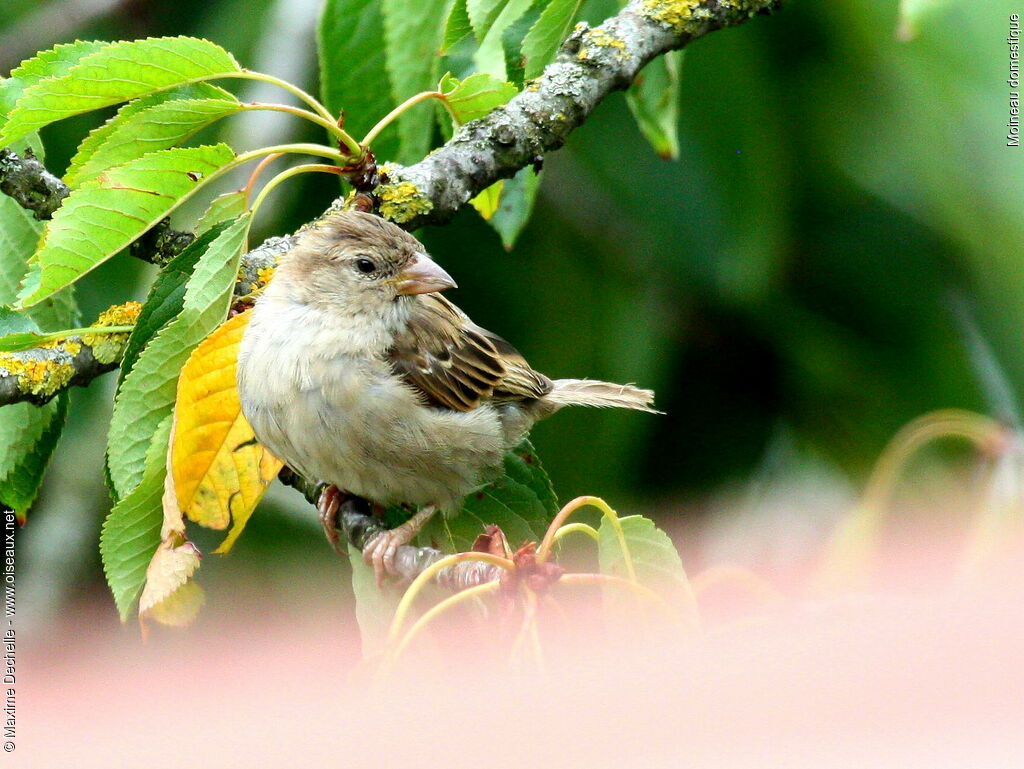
(131, 532)
(15, 323)
(654, 101)
(457, 27)
(413, 32)
(106, 214)
(353, 72)
(223, 208)
(486, 203)
(115, 73)
(490, 55)
(541, 43)
(147, 393)
(655, 561)
(512, 42)
(165, 300)
(28, 436)
(521, 502)
(145, 125)
(483, 13)
(517, 199)
(28, 433)
(51, 63)
(475, 96)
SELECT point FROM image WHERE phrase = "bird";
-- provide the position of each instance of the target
(356, 372)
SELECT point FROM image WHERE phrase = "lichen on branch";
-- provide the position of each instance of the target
(37, 375)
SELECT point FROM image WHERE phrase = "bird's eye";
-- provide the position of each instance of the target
(366, 266)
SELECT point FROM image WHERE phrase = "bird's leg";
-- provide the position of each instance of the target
(330, 499)
(380, 551)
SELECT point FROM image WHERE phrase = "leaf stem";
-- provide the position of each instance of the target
(34, 338)
(288, 174)
(613, 519)
(259, 169)
(438, 609)
(319, 108)
(428, 574)
(385, 121)
(572, 528)
(850, 549)
(329, 125)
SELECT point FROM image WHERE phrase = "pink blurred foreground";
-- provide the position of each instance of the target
(914, 675)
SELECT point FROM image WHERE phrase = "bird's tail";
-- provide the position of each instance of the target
(586, 392)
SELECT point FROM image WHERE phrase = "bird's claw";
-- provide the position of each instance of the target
(380, 552)
(327, 506)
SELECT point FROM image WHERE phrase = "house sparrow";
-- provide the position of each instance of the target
(355, 371)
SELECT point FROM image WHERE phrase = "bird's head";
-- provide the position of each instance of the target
(359, 264)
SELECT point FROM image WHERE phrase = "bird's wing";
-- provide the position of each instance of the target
(456, 364)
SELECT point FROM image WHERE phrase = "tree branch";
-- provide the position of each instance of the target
(592, 63)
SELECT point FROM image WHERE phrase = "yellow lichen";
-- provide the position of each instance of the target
(35, 376)
(119, 315)
(674, 13)
(687, 15)
(403, 201)
(107, 348)
(599, 37)
(263, 275)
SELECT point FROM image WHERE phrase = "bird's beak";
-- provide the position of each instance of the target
(423, 276)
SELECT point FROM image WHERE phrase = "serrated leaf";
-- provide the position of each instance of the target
(28, 433)
(351, 57)
(115, 73)
(131, 531)
(654, 101)
(147, 393)
(50, 63)
(223, 208)
(542, 41)
(220, 471)
(483, 13)
(475, 96)
(654, 559)
(521, 502)
(512, 42)
(517, 199)
(413, 32)
(490, 54)
(105, 215)
(165, 300)
(457, 27)
(28, 436)
(156, 122)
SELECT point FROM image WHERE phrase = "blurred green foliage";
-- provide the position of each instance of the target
(792, 273)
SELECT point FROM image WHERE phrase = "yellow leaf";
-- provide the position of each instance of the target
(487, 201)
(218, 470)
(169, 596)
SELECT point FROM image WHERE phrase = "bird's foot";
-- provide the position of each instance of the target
(380, 551)
(328, 504)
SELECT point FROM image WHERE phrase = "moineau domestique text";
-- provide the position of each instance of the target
(1013, 40)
